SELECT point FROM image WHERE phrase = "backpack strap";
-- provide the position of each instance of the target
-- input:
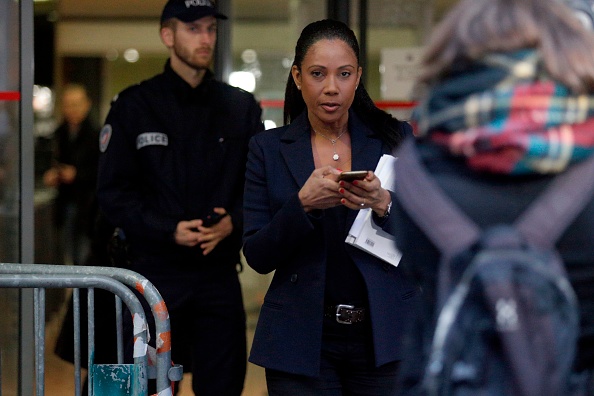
(545, 220)
(450, 229)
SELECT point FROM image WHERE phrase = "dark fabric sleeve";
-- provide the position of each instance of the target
(119, 190)
(269, 238)
(253, 125)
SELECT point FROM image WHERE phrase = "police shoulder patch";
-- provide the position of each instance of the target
(104, 137)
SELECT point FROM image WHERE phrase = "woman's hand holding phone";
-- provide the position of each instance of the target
(364, 192)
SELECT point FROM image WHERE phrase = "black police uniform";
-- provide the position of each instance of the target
(170, 152)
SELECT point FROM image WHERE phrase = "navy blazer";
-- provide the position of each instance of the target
(279, 236)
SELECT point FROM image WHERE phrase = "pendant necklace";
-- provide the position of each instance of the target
(335, 157)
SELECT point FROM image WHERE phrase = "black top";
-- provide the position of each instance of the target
(344, 283)
(172, 152)
(79, 150)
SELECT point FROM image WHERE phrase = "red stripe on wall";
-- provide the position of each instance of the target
(272, 103)
(10, 95)
(395, 104)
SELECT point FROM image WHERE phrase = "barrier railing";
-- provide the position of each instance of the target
(126, 379)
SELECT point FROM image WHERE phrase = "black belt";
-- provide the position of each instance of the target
(345, 314)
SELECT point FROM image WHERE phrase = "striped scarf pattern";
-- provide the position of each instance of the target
(505, 115)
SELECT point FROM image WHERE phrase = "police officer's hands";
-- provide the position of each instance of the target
(210, 236)
(320, 191)
(191, 233)
(186, 233)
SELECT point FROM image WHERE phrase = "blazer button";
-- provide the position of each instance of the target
(387, 267)
(294, 278)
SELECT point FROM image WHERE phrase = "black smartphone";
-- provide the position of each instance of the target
(212, 218)
(352, 175)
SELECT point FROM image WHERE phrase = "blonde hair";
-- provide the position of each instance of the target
(474, 28)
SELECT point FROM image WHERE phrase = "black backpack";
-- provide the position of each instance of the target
(507, 317)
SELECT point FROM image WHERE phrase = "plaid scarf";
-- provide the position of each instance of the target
(506, 115)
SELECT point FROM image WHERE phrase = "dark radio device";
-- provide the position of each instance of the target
(212, 218)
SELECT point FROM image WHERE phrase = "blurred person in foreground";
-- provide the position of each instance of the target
(74, 174)
(173, 154)
(333, 316)
(509, 105)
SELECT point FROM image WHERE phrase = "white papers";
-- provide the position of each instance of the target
(364, 233)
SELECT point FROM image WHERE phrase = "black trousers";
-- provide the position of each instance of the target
(347, 368)
(208, 325)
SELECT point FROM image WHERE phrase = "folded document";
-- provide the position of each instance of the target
(364, 233)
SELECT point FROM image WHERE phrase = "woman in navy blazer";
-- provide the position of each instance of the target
(333, 317)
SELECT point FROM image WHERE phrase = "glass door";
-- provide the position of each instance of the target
(9, 188)
(16, 189)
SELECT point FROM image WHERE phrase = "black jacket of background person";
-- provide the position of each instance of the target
(489, 200)
(171, 152)
(80, 152)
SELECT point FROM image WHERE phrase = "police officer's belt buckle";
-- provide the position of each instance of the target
(347, 314)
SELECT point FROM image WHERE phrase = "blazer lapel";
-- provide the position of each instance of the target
(366, 146)
(296, 149)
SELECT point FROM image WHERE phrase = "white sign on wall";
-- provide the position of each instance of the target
(399, 68)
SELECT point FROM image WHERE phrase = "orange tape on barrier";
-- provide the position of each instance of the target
(140, 287)
(164, 342)
(160, 310)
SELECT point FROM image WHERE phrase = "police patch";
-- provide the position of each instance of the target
(151, 139)
(104, 137)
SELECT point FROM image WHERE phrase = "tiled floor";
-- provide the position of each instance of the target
(59, 375)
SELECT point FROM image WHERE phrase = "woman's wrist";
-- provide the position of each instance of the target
(307, 208)
(383, 209)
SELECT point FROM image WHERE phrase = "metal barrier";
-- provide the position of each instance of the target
(103, 379)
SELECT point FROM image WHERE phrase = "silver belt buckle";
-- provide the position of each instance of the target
(338, 314)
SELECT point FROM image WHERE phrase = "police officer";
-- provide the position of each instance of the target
(173, 154)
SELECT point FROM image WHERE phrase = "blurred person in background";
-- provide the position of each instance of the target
(509, 105)
(74, 174)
